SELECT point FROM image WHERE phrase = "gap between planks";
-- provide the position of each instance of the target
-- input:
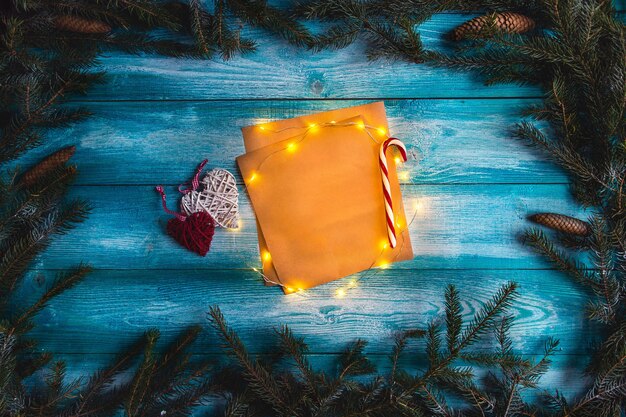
(253, 99)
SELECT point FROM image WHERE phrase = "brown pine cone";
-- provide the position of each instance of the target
(483, 26)
(562, 223)
(60, 157)
(80, 25)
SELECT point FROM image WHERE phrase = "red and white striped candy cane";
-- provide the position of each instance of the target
(384, 171)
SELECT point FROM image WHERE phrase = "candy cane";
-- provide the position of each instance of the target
(384, 171)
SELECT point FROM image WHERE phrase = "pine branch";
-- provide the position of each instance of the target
(228, 41)
(608, 289)
(482, 321)
(260, 379)
(336, 37)
(15, 260)
(93, 398)
(27, 205)
(57, 392)
(151, 14)
(489, 359)
(433, 343)
(198, 26)
(537, 239)
(259, 13)
(175, 354)
(297, 349)
(435, 402)
(578, 59)
(606, 395)
(141, 381)
(11, 393)
(353, 361)
(18, 137)
(28, 366)
(486, 316)
(561, 154)
(453, 317)
(177, 383)
(62, 283)
(530, 376)
(399, 346)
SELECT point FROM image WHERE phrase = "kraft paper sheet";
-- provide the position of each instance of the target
(319, 206)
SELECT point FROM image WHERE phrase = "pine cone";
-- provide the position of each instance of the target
(80, 25)
(506, 22)
(562, 223)
(60, 157)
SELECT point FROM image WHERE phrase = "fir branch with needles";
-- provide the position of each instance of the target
(577, 56)
(49, 52)
(23, 322)
(356, 388)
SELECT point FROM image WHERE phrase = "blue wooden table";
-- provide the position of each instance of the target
(156, 118)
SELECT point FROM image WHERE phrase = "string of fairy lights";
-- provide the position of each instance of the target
(376, 133)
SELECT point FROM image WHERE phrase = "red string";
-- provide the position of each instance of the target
(195, 182)
(168, 211)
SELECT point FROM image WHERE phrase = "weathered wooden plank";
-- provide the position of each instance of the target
(114, 307)
(565, 373)
(279, 70)
(450, 141)
(619, 5)
(455, 226)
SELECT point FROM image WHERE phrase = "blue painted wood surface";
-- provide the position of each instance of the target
(469, 183)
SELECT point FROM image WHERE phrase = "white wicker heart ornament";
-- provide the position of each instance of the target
(218, 196)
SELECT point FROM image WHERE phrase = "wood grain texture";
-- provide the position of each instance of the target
(455, 227)
(566, 372)
(279, 70)
(110, 308)
(156, 118)
(449, 141)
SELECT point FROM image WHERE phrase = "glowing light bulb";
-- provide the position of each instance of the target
(383, 264)
(289, 290)
(266, 256)
(403, 176)
(384, 244)
(332, 122)
(255, 270)
(340, 293)
(262, 127)
(360, 125)
(313, 127)
(397, 160)
(352, 283)
(252, 177)
(291, 147)
(382, 131)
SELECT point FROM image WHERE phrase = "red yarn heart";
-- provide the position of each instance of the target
(195, 232)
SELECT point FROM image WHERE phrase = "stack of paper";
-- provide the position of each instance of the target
(315, 186)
